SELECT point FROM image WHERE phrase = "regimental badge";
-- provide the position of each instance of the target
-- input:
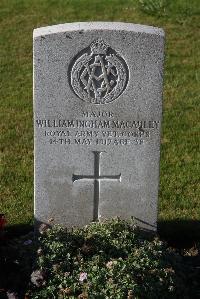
(98, 75)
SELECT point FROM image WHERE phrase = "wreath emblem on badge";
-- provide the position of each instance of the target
(98, 75)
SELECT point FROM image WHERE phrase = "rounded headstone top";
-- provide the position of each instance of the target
(87, 26)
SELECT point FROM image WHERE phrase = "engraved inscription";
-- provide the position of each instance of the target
(96, 114)
(97, 128)
(97, 124)
(99, 75)
(97, 178)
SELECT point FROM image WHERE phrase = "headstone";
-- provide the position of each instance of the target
(97, 120)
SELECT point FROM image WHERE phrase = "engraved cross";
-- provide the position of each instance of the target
(97, 178)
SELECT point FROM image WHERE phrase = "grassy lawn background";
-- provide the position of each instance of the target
(179, 174)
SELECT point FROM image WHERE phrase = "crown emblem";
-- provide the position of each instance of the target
(99, 47)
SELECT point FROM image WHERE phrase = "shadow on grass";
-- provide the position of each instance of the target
(16, 259)
(15, 231)
(180, 233)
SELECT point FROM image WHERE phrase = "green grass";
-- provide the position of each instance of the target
(179, 189)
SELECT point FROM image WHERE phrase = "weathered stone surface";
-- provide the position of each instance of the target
(97, 120)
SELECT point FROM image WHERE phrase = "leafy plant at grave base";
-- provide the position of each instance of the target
(111, 260)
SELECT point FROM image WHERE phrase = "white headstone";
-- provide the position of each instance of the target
(97, 120)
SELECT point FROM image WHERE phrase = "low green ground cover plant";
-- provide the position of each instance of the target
(109, 260)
